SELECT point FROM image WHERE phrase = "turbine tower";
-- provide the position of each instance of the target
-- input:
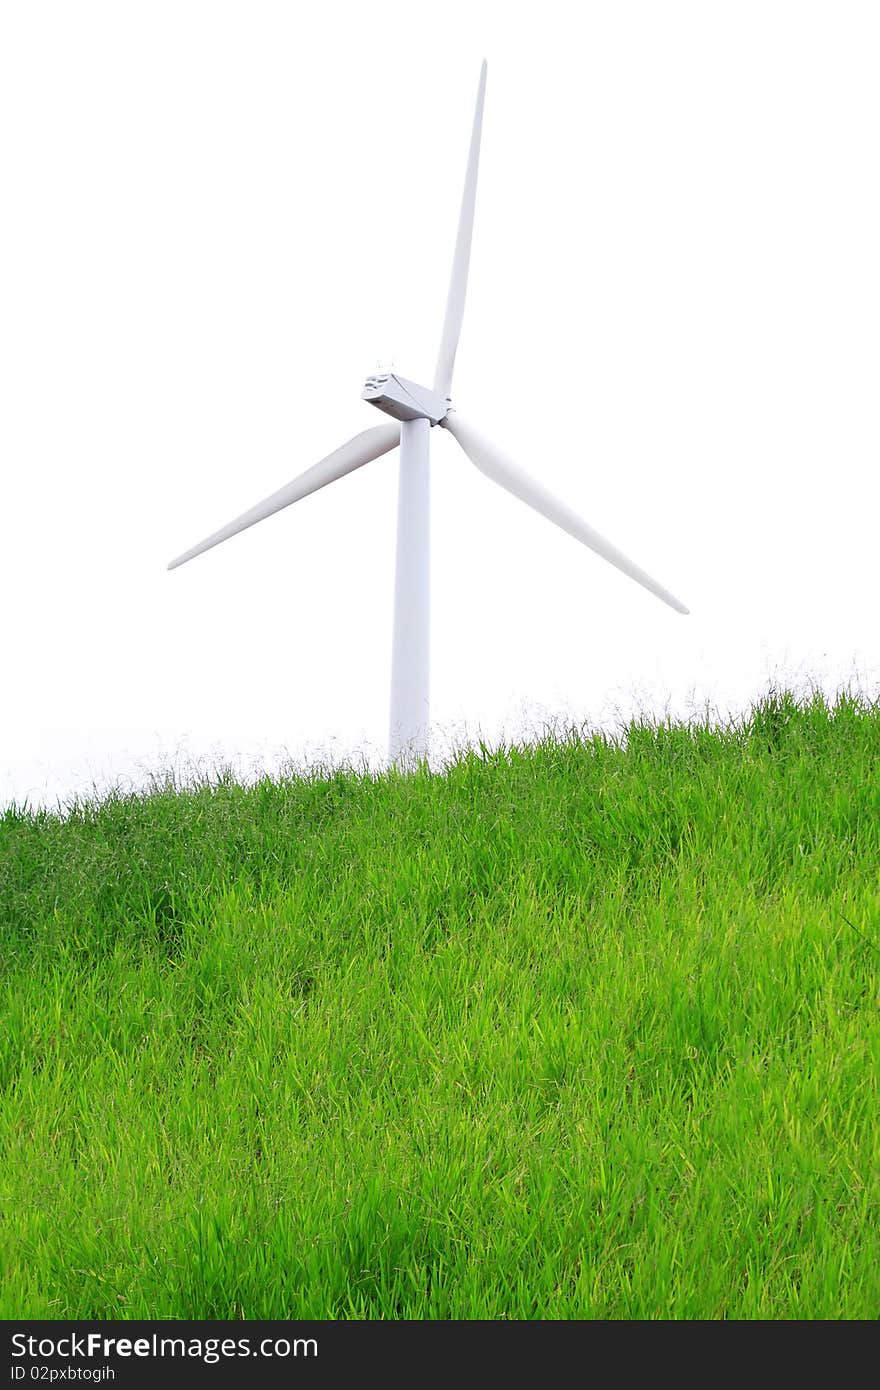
(415, 410)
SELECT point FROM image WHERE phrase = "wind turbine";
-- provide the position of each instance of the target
(415, 410)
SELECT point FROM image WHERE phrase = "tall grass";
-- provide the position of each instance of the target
(587, 1029)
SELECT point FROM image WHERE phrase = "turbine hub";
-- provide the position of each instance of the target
(405, 400)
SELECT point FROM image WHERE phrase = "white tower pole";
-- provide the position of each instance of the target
(408, 731)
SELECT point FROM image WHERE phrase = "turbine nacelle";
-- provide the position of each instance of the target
(403, 399)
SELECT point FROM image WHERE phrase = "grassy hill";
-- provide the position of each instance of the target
(589, 1029)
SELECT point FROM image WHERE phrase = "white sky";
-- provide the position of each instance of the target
(218, 218)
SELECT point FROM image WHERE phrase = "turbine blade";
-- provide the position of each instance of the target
(462, 256)
(369, 444)
(509, 475)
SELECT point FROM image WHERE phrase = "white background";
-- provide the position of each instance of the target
(218, 218)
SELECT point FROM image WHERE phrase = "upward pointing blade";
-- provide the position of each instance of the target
(369, 444)
(509, 475)
(461, 259)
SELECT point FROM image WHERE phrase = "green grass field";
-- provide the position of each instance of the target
(585, 1030)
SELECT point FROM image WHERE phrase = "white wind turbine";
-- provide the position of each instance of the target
(416, 409)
